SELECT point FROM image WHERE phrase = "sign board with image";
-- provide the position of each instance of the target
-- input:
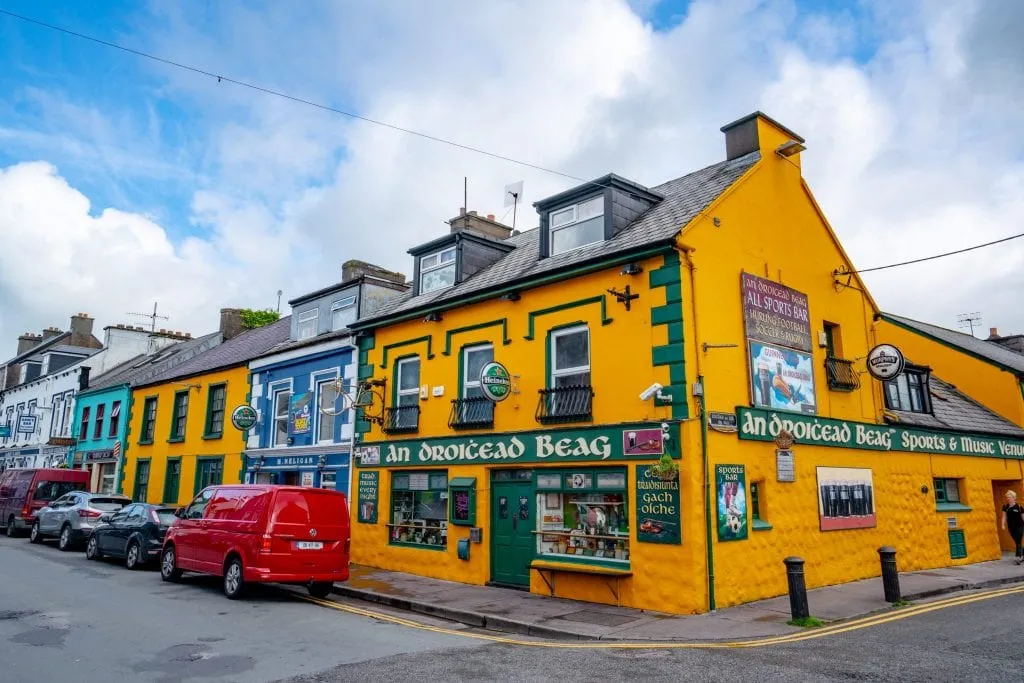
(300, 416)
(27, 424)
(368, 488)
(648, 442)
(846, 498)
(657, 508)
(495, 382)
(782, 379)
(731, 489)
(885, 361)
(244, 418)
(775, 314)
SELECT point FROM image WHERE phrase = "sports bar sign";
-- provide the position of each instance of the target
(775, 314)
(765, 425)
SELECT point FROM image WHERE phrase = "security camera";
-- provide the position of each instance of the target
(650, 392)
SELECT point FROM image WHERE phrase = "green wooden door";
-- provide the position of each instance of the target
(512, 524)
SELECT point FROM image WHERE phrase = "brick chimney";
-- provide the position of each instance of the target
(230, 323)
(760, 132)
(352, 269)
(28, 341)
(51, 332)
(471, 222)
(81, 330)
(993, 333)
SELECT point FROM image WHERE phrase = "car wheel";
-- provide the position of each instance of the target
(320, 589)
(92, 549)
(65, 538)
(35, 536)
(234, 584)
(169, 565)
(131, 557)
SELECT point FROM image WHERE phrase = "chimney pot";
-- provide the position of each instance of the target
(352, 269)
(81, 330)
(231, 323)
(490, 216)
(993, 333)
(471, 222)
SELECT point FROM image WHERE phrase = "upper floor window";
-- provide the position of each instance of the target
(307, 324)
(909, 392)
(281, 400)
(343, 312)
(437, 270)
(115, 418)
(148, 420)
(404, 415)
(179, 415)
(577, 225)
(83, 431)
(97, 432)
(55, 414)
(570, 357)
(215, 403)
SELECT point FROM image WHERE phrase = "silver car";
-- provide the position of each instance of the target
(71, 517)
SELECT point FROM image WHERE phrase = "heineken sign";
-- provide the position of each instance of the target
(563, 447)
(244, 418)
(765, 425)
(495, 382)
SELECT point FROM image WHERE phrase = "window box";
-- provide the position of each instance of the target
(419, 509)
(952, 507)
(841, 375)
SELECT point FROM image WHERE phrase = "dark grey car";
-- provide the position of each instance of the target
(72, 517)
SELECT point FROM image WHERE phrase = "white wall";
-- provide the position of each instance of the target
(42, 391)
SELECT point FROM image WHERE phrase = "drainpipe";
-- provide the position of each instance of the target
(708, 515)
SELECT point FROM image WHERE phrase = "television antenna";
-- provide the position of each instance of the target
(152, 317)
(969, 320)
(513, 194)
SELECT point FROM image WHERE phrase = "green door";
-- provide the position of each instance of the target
(512, 524)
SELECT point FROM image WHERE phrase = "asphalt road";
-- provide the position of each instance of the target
(64, 618)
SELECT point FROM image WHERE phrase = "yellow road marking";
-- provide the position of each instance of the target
(835, 629)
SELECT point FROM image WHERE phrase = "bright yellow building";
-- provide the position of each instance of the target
(708, 319)
(180, 437)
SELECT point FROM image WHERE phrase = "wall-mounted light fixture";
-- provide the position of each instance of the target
(789, 148)
(632, 269)
(433, 317)
(511, 296)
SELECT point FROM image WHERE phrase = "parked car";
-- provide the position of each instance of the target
(135, 533)
(23, 492)
(256, 534)
(72, 517)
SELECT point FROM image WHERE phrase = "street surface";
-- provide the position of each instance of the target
(65, 618)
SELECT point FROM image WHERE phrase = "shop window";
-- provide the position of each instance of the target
(306, 324)
(115, 419)
(179, 415)
(216, 399)
(909, 392)
(141, 491)
(569, 396)
(97, 431)
(583, 515)
(758, 507)
(577, 225)
(83, 430)
(949, 495)
(404, 415)
(472, 408)
(419, 509)
(281, 399)
(106, 477)
(437, 270)
(148, 421)
(343, 313)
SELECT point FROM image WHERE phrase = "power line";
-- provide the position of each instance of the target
(277, 93)
(930, 258)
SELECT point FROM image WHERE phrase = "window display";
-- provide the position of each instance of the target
(419, 509)
(583, 514)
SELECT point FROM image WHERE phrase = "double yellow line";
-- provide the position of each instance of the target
(811, 634)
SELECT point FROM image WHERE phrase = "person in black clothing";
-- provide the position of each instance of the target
(1013, 521)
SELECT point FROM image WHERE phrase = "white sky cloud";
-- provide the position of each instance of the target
(915, 152)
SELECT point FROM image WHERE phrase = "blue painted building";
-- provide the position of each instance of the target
(298, 439)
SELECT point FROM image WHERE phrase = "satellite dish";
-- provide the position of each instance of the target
(513, 193)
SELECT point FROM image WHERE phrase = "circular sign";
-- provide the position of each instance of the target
(885, 361)
(495, 382)
(244, 418)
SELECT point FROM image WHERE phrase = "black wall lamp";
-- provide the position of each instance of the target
(432, 318)
(510, 296)
(632, 269)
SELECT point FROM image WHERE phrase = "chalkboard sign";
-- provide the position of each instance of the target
(462, 501)
(369, 485)
(460, 506)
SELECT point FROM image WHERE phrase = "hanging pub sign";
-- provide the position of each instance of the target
(244, 418)
(885, 362)
(775, 314)
(495, 382)
(722, 422)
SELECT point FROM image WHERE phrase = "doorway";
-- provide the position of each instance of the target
(290, 478)
(512, 528)
(999, 489)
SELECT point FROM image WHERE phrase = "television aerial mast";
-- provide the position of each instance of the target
(152, 317)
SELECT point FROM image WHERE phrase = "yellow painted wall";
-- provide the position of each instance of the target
(229, 445)
(993, 387)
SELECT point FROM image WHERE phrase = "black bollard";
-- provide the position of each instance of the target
(890, 575)
(797, 588)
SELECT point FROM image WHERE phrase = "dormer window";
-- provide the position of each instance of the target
(437, 270)
(577, 225)
(343, 312)
(307, 324)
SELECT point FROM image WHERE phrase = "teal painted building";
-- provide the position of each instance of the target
(99, 430)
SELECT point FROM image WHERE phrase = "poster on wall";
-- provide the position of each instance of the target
(368, 487)
(299, 414)
(657, 505)
(307, 479)
(731, 487)
(775, 314)
(846, 498)
(782, 379)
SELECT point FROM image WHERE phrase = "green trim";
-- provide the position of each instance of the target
(364, 372)
(954, 347)
(177, 438)
(529, 283)
(207, 434)
(409, 342)
(145, 419)
(760, 525)
(533, 315)
(419, 546)
(672, 354)
(547, 347)
(135, 479)
(952, 507)
(177, 485)
(957, 544)
(579, 559)
(199, 466)
(470, 328)
(708, 514)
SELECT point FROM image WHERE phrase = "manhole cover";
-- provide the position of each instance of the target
(597, 618)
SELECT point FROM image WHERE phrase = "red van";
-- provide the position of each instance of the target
(23, 492)
(259, 534)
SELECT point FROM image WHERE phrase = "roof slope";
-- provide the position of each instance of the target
(143, 367)
(235, 351)
(993, 353)
(955, 410)
(685, 197)
(39, 348)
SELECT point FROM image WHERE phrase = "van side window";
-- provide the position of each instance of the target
(197, 507)
(252, 505)
(223, 505)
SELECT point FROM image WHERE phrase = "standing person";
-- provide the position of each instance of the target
(1013, 520)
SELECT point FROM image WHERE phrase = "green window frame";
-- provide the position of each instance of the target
(564, 498)
(462, 501)
(216, 403)
(179, 416)
(148, 430)
(419, 509)
(209, 472)
(172, 481)
(758, 523)
(948, 495)
(141, 489)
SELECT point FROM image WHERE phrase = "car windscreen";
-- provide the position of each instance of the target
(52, 490)
(303, 507)
(107, 504)
(166, 516)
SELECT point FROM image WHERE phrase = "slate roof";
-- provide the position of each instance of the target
(47, 345)
(956, 411)
(145, 366)
(685, 197)
(235, 351)
(288, 345)
(986, 350)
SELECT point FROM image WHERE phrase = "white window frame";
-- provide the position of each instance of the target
(552, 228)
(340, 305)
(316, 381)
(474, 382)
(69, 414)
(275, 393)
(399, 391)
(304, 318)
(55, 405)
(575, 370)
(441, 263)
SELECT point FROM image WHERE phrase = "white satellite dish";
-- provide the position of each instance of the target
(513, 193)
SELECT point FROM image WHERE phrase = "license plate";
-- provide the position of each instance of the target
(309, 545)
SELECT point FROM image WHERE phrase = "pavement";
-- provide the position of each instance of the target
(521, 612)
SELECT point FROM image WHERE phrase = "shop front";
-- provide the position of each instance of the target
(102, 466)
(322, 469)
